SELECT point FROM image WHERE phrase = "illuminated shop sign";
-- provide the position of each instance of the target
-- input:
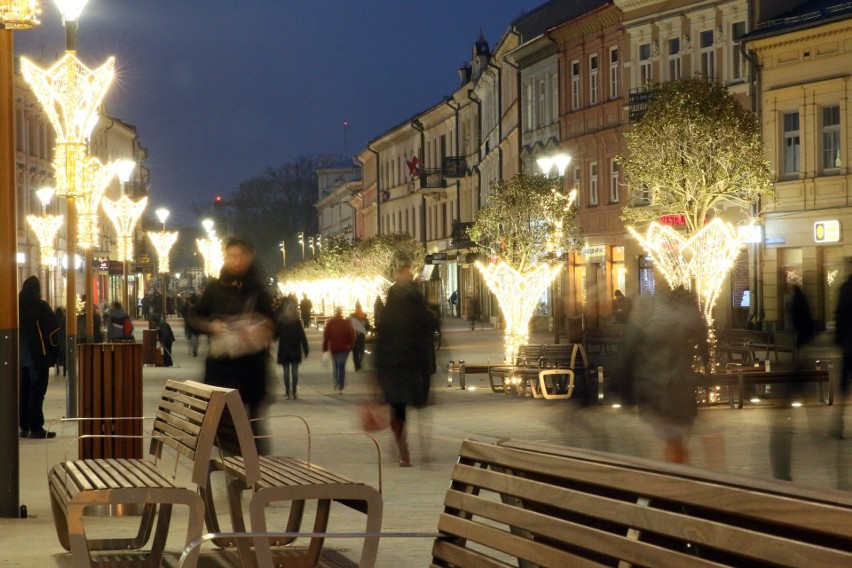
(827, 231)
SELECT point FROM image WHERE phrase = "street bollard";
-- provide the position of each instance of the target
(461, 374)
(600, 385)
(450, 374)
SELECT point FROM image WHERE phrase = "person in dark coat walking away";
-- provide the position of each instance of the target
(167, 338)
(191, 334)
(361, 325)
(118, 324)
(60, 359)
(338, 338)
(292, 342)
(235, 312)
(305, 307)
(660, 343)
(843, 338)
(38, 337)
(403, 347)
(475, 311)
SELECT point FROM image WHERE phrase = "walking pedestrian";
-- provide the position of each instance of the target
(661, 338)
(338, 338)
(60, 358)
(191, 334)
(292, 342)
(403, 348)
(475, 311)
(361, 325)
(167, 338)
(305, 307)
(843, 338)
(38, 338)
(454, 303)
(120, 326)
(235, 312)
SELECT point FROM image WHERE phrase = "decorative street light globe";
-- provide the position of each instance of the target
(19, 14)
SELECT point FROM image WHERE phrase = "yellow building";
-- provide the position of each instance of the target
(804, 62)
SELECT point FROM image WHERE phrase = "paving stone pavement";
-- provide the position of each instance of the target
(724, 439)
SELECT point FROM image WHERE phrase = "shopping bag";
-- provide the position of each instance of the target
(375, 416)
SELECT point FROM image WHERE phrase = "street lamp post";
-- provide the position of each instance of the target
(547, 163)
(302, 243)
(14, 14)
(163, 243)
(45, 228)
(124, 214)
(70, 93)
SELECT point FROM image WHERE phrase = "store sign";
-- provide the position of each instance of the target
(827, 231)
(438, 258)
(116, 267)
(775, 240)
(599, 250)
(672, 220)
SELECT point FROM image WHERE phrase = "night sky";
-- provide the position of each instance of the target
(219, 90)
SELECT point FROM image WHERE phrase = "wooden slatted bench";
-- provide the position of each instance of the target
(463, 368)
(532, 504)
(184, 425)
(525, 367)
(744, 377)
(603, 341)
(285, 478)
(744, 345)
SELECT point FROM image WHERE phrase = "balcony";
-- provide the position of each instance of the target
(432, 179)
(454, 166)
(638, 102)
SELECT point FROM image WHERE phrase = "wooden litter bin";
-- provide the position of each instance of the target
(109, 386)
(149, 347)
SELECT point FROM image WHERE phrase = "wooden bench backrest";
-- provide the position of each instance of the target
(566, 355)
(528, 355)
(743, 336)
(187, 421)
(559, 506)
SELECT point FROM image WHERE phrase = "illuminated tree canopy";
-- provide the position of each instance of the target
(525, 221)
(695, 151)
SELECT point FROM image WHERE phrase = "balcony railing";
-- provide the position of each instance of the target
(432, 179)
(454, 166)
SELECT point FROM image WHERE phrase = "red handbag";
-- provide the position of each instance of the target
(375, 416)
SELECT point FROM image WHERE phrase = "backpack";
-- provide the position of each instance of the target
(127, 327)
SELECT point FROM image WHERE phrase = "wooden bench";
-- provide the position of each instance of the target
(526, 365)
(603, 341)
(550, 371)
(744, 345)
(184, 425)
(285, 478)
(531, 504)
(744, 376)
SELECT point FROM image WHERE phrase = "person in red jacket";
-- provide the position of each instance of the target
(338, 337)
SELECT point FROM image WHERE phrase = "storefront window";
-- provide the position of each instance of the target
(619, 272)
(646, 275)
(790, 261)
(832, 278)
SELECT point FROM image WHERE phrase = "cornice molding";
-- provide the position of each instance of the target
(797, 37)
(587, 26)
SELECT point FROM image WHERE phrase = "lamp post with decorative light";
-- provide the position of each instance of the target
(14, 15)
(45, 228)
(163, 243)
(124, 214)
(70, 94)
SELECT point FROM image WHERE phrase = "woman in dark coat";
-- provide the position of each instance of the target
(236, 312)
(292, 342)
(403, 353)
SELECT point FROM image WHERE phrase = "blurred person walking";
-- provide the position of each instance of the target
(338, 338)
(60, 356)
(475, 311)
(167, 338)
(235, 312)
(292, 342)
(189, 332)
(784, 394)
(305, 307)
(38, 337)
(843, 338)
(403, 361)
(664, 335)
(361, 325)
(119, 323)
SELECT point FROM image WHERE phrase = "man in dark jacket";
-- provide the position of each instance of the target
(403, 353)
(38, 338)
(236, 312)
(843, 338)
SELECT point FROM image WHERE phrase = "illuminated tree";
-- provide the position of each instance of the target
(694, 153)
(525, 226)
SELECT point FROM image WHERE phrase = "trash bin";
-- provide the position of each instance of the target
(109, 386)
(149, 347)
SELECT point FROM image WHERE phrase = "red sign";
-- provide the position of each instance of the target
(672, 220)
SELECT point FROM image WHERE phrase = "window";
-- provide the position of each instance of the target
(542, 107)
(575, 85)
(613, 73)
(593, 79)
(708, 55)
(674, 59)
(645, 76)
(528, 106)
(554, 97)
(831, 137)
(578, 177)
(593, 183)
(738, 62)
(613, 181)
(792, 143)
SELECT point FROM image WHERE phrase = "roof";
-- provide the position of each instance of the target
(552, 13)
(806, 15)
